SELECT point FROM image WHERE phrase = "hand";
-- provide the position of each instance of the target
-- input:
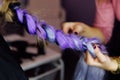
(73, 27)
(83, 29)
(100, 2)
(101, 61)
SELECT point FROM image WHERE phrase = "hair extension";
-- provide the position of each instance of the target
(47, 32)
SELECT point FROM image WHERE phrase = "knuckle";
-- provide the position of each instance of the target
(103, 61)
(64, 24)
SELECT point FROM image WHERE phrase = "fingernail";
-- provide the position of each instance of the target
(98, 46)
(75, 33)
(70, 31)
(93, 44)
(94, 47)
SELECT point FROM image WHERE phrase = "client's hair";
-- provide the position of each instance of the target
(5, 11)
(6, 15)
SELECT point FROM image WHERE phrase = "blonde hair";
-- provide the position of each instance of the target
(5, 11)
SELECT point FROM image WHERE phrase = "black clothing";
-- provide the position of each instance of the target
(79, 10)
(9, 69)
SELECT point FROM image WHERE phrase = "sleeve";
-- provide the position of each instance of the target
(104, 19)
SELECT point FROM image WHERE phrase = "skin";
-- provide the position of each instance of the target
(101, 61)
(83, 30)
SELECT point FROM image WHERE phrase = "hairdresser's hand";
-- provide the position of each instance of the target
(73, 27)
(101, 61)
(83, 29)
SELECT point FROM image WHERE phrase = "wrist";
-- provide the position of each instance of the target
(117, 69)
(114, 65)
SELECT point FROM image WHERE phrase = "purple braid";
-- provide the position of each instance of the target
(48, 32)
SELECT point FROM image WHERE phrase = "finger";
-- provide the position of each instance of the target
(77, 29)
(67, 26)
(100, 56)
(91, 61)
(89, 58)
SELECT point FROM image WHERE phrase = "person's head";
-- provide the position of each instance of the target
(6, 12)
(6, 15)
